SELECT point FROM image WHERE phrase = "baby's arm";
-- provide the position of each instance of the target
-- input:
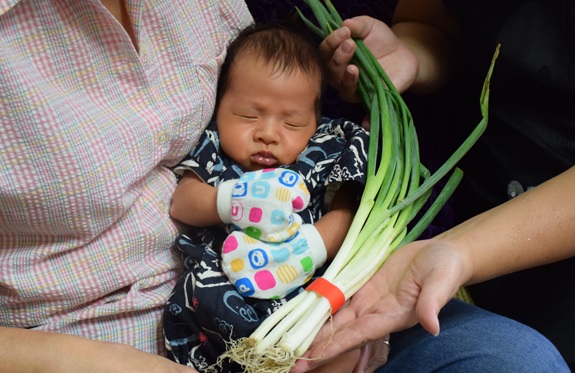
(273, 269)
(194, 202)
(333, 226)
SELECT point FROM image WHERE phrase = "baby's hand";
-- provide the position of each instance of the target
(272, 270)
(263, 203)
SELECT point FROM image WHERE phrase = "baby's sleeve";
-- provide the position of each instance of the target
(205, 159)
(351, 164)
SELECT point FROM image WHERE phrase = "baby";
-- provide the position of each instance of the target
(269, 194)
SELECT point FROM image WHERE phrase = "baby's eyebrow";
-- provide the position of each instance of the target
(294, 114)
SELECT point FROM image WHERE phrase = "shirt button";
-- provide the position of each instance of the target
(162, 137)
(163, 206)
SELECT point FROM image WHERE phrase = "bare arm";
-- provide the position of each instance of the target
(535, 228)
(333, 226)
(194, 202)
(430, 32)
(417, 52)
(62, 353)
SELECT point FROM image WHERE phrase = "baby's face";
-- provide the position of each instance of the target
(265, 118)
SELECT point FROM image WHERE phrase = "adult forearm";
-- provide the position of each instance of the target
(24, 350)
(535, 228)
(15, 349)
(434, 52)
(430, 32)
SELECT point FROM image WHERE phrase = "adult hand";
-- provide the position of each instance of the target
(62, 353)
(395, 57)
(412, 286)
(373, 356)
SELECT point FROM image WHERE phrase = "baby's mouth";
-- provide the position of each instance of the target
(264, 159)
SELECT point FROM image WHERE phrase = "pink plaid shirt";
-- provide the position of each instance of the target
(89, 127)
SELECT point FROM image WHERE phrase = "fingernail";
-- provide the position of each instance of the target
(346, 47)
(342, 32)
(438, 329)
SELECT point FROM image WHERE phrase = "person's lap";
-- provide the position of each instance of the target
(472, 340)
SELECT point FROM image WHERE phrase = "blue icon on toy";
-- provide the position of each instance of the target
(289, 178)
(240, 189)
(245, 287)
(260, 189)
(258, 258)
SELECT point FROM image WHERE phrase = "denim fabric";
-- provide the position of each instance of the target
(473, 340)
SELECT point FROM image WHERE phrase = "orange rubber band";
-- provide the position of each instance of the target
(329, 291)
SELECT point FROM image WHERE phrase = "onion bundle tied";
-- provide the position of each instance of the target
(397, 188)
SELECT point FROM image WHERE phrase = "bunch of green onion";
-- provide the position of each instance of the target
(397, 187)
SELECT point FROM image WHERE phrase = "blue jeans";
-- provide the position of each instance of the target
(472, 340)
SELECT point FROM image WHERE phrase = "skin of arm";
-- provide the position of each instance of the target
(535, 228)
(194, 203)
(63, 353)
(334, 225)
(416, 52)
(430, 32)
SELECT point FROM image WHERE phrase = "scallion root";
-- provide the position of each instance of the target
(272, 360)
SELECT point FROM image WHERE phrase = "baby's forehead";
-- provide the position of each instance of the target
(273, 66)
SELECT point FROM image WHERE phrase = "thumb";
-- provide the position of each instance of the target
(433, 296)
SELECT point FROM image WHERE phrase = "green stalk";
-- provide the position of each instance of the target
(293, 338)
(434, 209)
(397, 187)
(281, 314)
(333, 12)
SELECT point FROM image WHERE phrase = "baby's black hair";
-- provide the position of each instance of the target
(284, 45)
